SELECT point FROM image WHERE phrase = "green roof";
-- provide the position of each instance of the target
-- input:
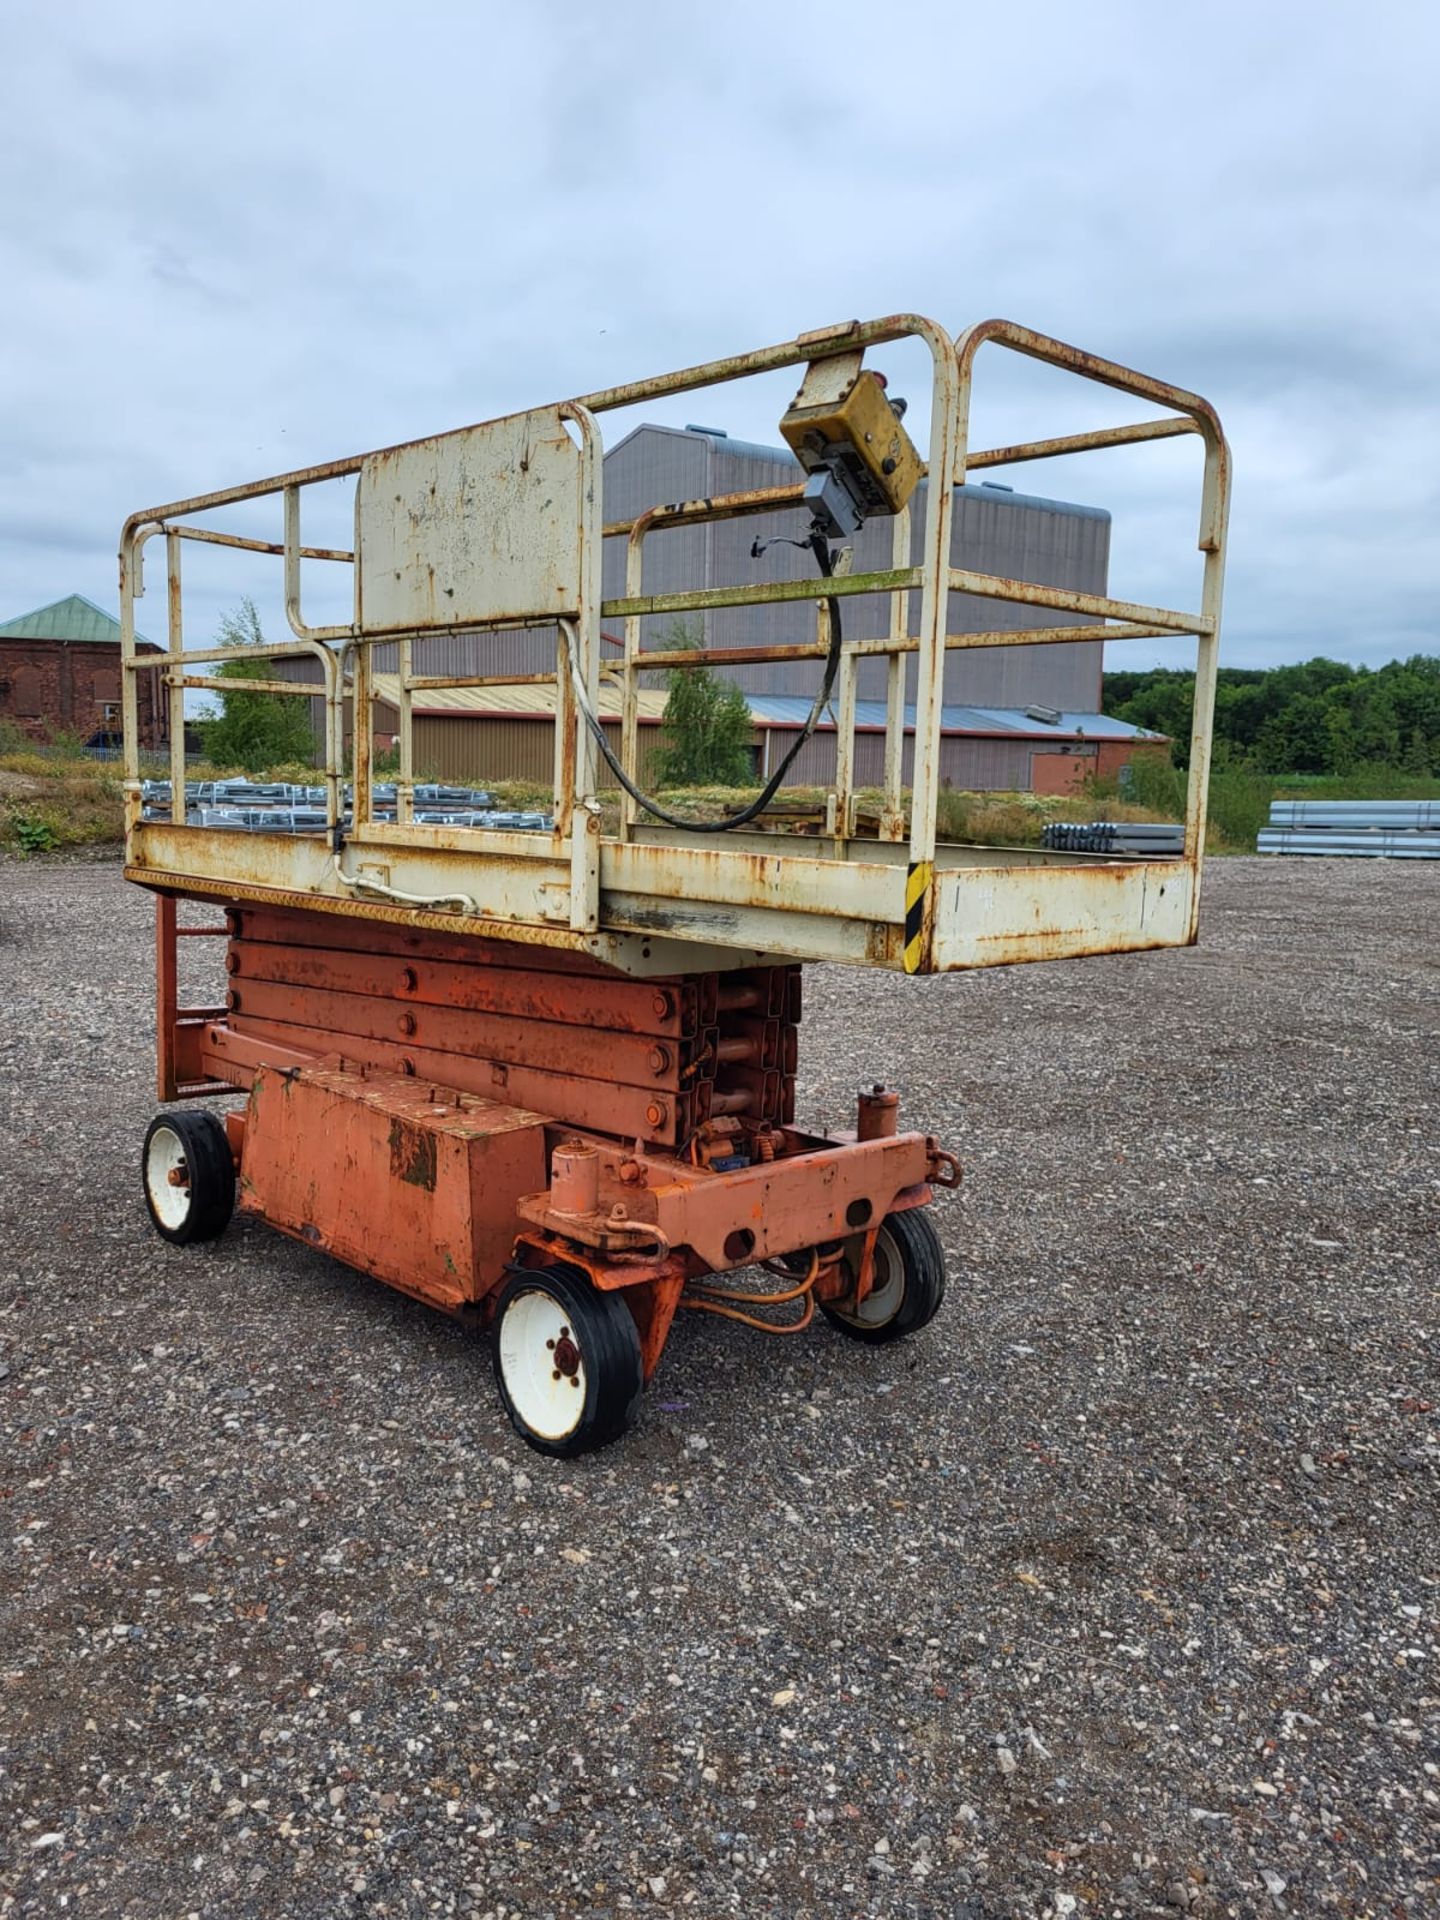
(72, 619)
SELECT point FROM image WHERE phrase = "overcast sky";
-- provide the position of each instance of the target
(238, 240)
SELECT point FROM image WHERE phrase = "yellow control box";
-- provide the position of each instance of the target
(859, 429)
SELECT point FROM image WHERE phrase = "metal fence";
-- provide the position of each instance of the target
(501, 525)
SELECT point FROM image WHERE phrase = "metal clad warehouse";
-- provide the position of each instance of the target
(1015, 717)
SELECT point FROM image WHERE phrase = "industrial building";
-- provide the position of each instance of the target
(60, 673)
(1015, 718)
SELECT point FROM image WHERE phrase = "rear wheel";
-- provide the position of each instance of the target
(907, 1288)
(189, 1175)
(567, 1361)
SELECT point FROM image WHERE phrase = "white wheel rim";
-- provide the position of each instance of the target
(887, 1288)
(541, 1364)
(164, 1156)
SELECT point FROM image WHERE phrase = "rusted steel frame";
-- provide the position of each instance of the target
(1214, 515)
(1109, 373)
(405, 716)
(653, 1304)
(516, 989)
(892, 812)
(574, 777)
(795, 1201)
(949, 407)
(579, 810)
(589, 1049)
(1053, 636)
(430, 937)
(305, 687)
(201, 656)
(171, 1019)
(166, 996)
(995, 586)
(176, 630)
(734, 656)
(1011, 637)
(131, 795)
(1132, 435)
(842, 798)
(764, 594)
(1206, 661)
(435, 682)
(257, 546)
(362, 748)
(817, 345)
(569, 1099)
(630, 683)
(821, 344)
(293, 550)
(722, 506)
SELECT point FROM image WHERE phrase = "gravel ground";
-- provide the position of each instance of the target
(1113, 1593)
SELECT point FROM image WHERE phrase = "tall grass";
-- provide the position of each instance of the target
(1240, 799)
(1369, 783)
(1239, 802)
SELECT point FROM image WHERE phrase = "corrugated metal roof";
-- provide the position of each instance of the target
(73, 619)
(1095, 726)
(769, 710)
(790, 710)
(517, 701)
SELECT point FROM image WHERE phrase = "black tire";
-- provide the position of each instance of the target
(556, 1335)
(192, 1143)
(908, 1288)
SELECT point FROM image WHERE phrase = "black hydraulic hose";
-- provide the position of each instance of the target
(767, 793)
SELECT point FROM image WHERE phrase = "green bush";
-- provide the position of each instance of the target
(707, 725)
(255, 730)
(1239, 802)
(33, 834)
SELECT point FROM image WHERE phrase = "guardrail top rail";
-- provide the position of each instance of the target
(500, 526)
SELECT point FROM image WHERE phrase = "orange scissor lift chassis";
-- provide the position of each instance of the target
(460, 1073)
(440, 1111)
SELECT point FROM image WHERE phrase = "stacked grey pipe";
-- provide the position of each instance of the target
(1123, 839)
(1354, 829)
(281, 807)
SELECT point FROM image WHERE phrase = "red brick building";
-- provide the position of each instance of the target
(60, 673)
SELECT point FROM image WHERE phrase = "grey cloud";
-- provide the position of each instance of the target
(237, 243)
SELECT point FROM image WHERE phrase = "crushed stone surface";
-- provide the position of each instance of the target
(1114, 1592)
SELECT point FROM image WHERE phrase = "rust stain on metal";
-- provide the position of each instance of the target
(412, 1155)
(499, 524)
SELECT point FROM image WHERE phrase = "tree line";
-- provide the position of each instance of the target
(1320, 716)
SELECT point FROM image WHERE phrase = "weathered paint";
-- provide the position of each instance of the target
(412, 1183)
(503, 523)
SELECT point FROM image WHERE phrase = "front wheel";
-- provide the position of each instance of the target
(188, 1172)
(567, 1361)
(907, 1287)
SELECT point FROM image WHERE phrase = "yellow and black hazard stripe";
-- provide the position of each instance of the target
(917, 889)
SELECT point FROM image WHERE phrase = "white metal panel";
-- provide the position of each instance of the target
(481, 525)
(987, 917)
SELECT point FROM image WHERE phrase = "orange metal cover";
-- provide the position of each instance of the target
(412, 1183)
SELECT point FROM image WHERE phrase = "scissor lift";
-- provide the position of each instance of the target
(548, 1080)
